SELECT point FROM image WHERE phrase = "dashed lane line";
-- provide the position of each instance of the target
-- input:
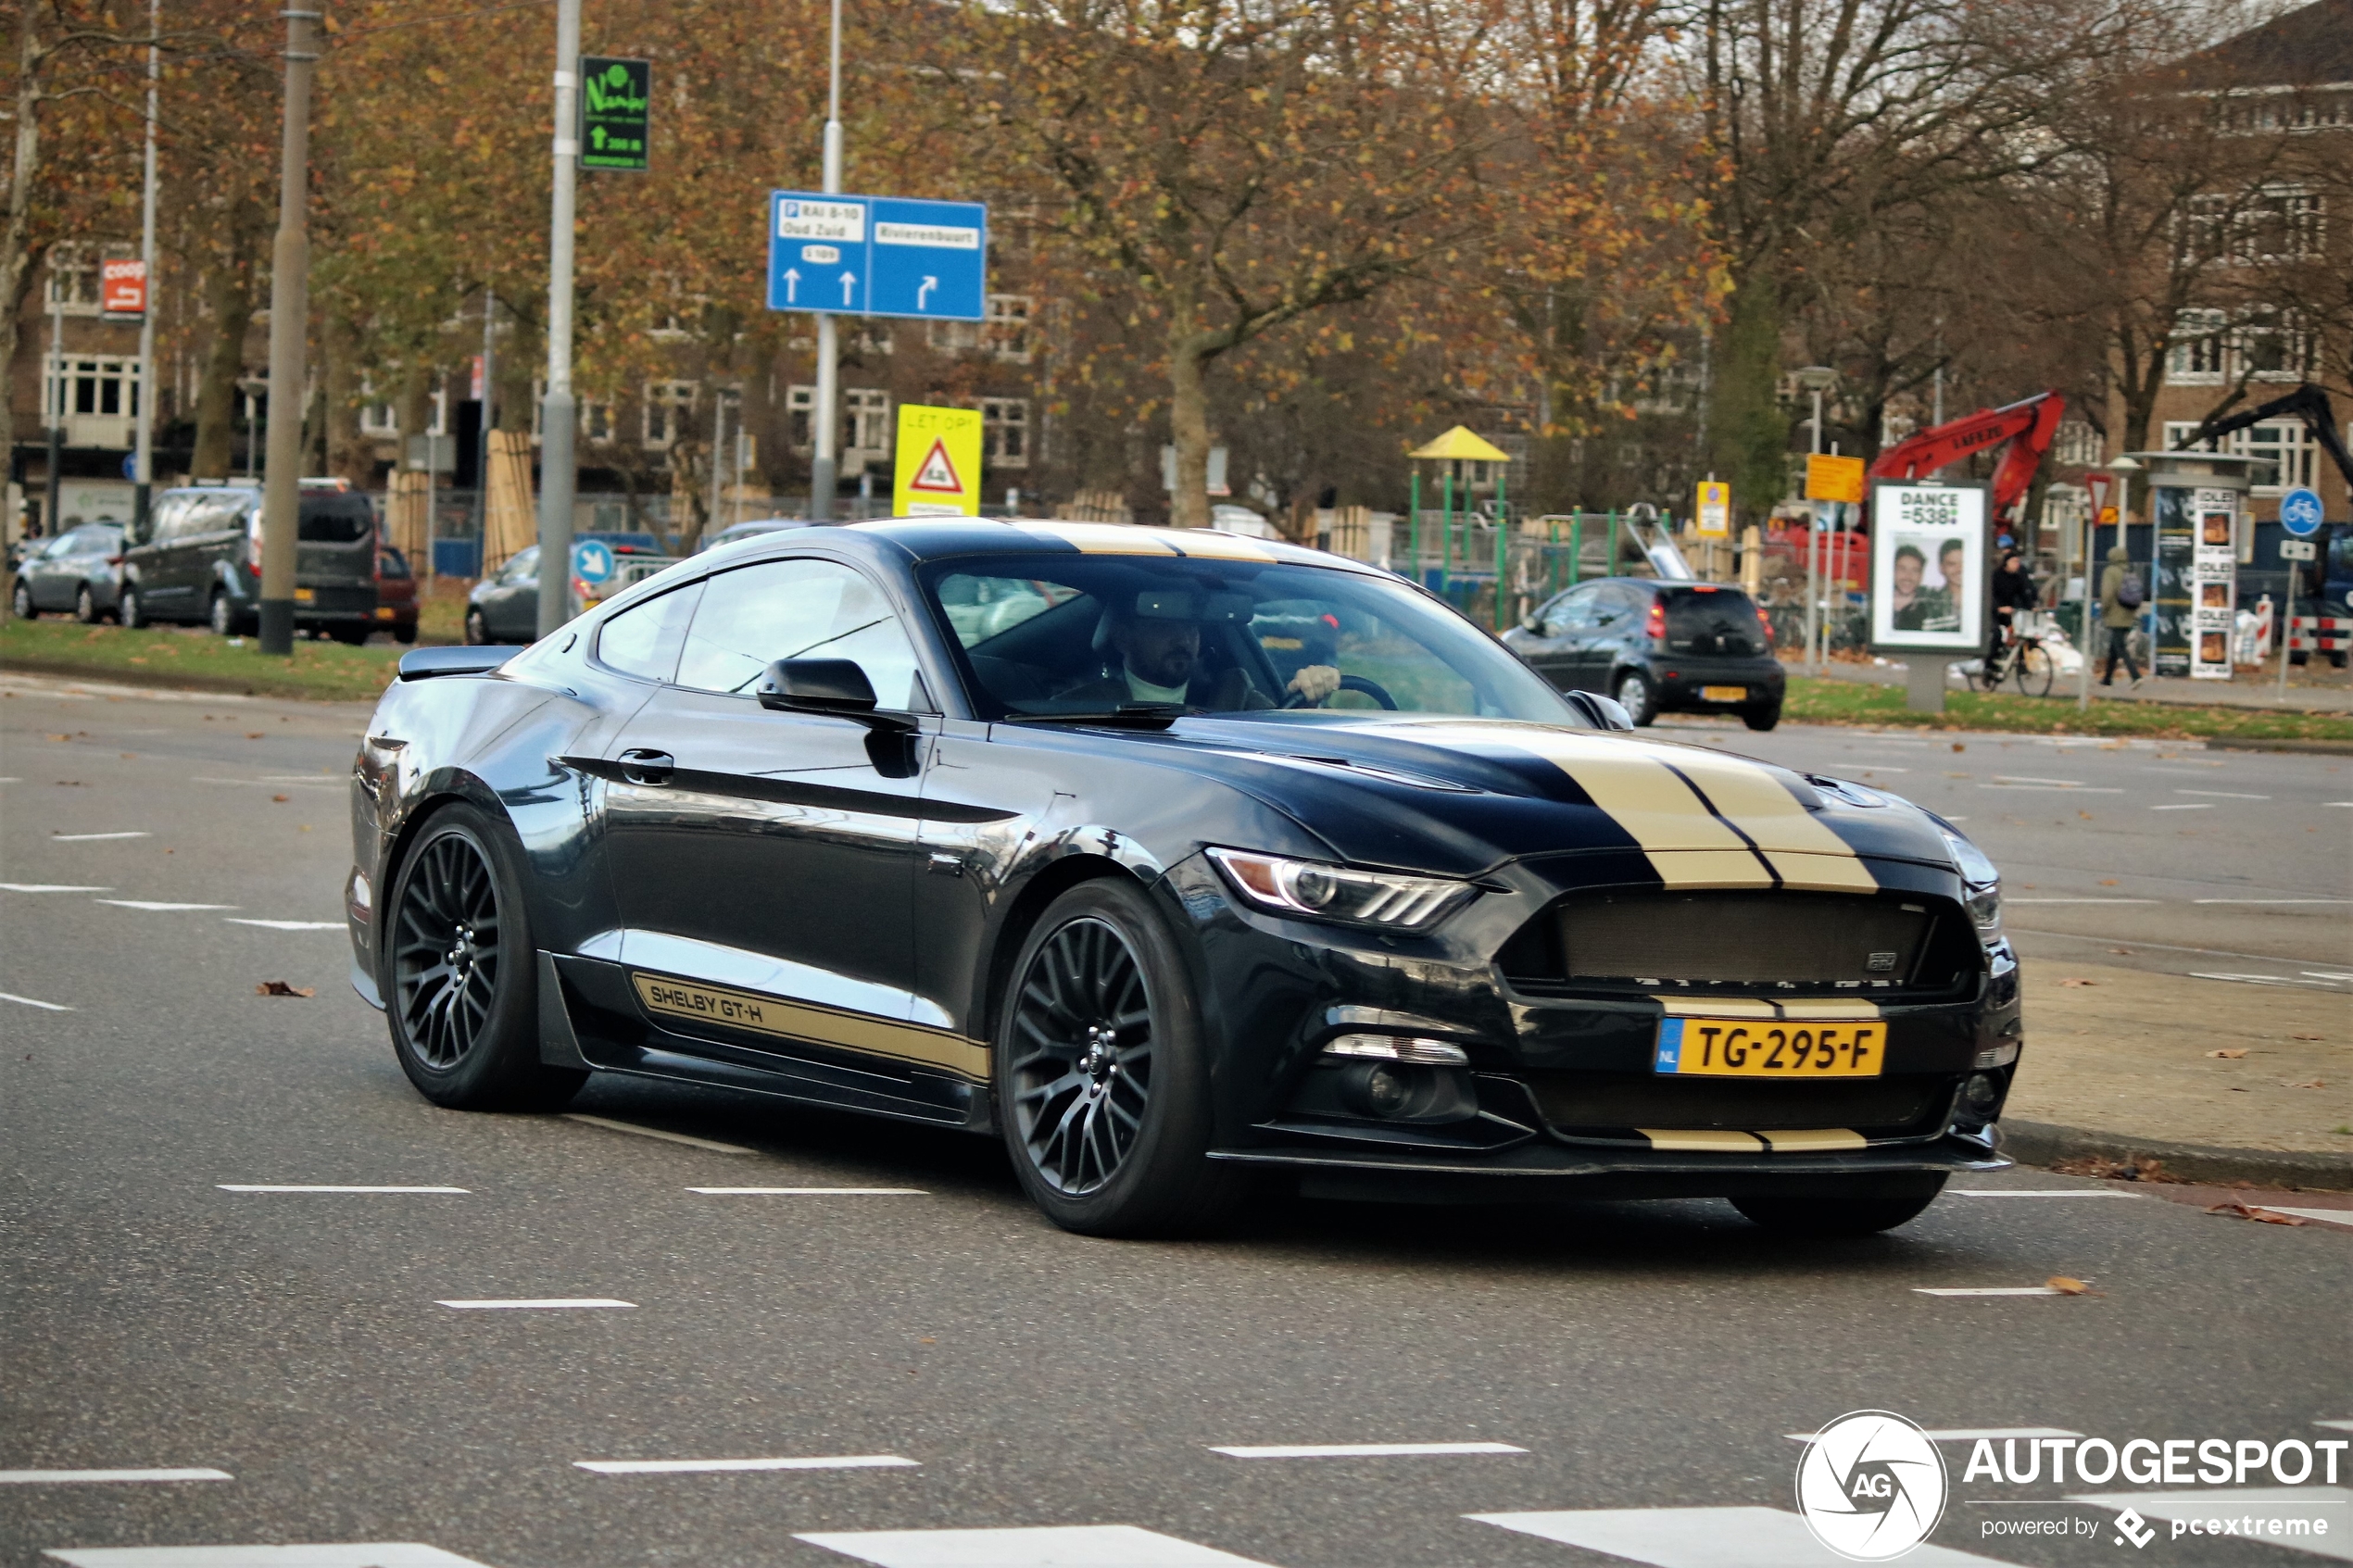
(700, 1466)
(48, 887)
(93, 837)
(2200, 806)
(156, 907)
(2326, 1216)
(89, 1477)
(325, 1554)
(2037, 1192)
(1986, 1290)
(612, 1126)
(1058, 1545)
(536, 1304)
(288, 925)
(2223, 794)
(2271, 900)
(2083, 900)
(235, 1186)
(809, 1192)
(34, 1002)
(1702, 1537)
(1362, 1451)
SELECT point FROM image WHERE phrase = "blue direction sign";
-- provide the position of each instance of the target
(877, 256)
(2300, 512)
(592, 561)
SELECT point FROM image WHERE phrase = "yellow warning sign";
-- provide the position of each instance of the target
(938, 462)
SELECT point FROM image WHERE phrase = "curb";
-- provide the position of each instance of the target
(2039, 1143)
(2249, 743)
(160, 680)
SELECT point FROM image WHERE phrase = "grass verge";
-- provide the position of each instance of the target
(1815, 701)
(161, 657)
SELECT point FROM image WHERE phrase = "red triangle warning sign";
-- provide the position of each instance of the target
(937, 473)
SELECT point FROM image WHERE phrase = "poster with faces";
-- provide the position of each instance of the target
(2213, 582)
(1929, 570)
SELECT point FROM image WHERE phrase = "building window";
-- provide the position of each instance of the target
(865, 418)
(2280, 223)
(596, 421)
(74, 280)
(2200, 345)
(667, 407)
(377, 419)
(1004, 428)
(801, 418)
(2077, 446)
(2276, 346)
(2282, 443)
(104, 385)
(1006, 333)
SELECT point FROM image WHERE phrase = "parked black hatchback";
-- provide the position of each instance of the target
(1657, 647)
(200, 559)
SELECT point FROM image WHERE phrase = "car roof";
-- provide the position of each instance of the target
(927, 539)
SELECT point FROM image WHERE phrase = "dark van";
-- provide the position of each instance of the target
(200, 559)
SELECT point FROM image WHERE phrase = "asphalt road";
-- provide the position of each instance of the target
(1647, 1362)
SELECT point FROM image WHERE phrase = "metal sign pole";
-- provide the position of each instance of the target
(558, 416)
(822, 477)
(289, 323)
(142, 471)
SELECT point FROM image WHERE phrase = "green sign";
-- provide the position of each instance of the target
(615, 113)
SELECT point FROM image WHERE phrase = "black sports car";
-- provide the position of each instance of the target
(1176, 858)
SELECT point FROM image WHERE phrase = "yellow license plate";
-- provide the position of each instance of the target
(303, 595)
(1723, 693)
(1728, 1047)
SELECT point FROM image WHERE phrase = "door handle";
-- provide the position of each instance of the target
(643, 766)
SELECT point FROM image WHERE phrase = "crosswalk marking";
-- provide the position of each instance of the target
(1362, 1451)
(2260, 1504)
(336, 1554)
(1704, 1538)
(1066, 1546)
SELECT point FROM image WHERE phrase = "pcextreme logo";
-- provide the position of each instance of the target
(1872, 1486)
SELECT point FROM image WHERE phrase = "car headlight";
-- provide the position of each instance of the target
(1339, 892)
(1983, 899)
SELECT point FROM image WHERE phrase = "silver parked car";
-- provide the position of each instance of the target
(80, 571)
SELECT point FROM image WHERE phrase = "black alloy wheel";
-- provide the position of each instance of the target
(85, 605)
(461, 997)
(1101, 1076)
(1763, 716)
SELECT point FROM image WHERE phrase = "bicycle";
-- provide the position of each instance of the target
(2023, 660)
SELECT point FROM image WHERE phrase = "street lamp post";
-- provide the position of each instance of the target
(558, 416)
(1816, 379)
(289, 326)
(822, 477)
(143, 473)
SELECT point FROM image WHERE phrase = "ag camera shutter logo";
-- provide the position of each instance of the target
(1872, 1486)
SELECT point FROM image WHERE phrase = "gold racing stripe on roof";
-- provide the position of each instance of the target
(799, 1021)
(1203, 545)
(1813, 1140)
(1103, 538)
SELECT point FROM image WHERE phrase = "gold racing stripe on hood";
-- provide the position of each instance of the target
(1702, 1140)
(1802, 851)
(1814, 1140)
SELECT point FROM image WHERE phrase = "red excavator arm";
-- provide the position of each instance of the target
(2029, 424)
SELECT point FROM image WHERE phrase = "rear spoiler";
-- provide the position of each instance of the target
(423, 664)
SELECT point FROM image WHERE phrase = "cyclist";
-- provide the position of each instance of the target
(2014, 591)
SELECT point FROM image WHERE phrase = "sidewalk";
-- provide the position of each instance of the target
(2119, 1065)
(2315, 688)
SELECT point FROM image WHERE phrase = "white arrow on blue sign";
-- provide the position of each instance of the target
(2300, 512)
(877, 256)
(592, 560)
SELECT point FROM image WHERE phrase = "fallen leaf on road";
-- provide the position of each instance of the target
(2107, 881)
(61, 737)
(2073, 981)
(2067, 1286)
(282, 799)
(1958, 746)
(2238, 1211)
(254, 735)
(2126, 951)
(2307, 1036)
(2315, 1083)
(2231, 1055)
(281, 988)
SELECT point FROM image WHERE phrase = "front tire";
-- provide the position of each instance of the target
(128, 610)
(2034, 670)
(223, 615)
(20, 603)
(1845, 1205)
(1102, 1072)
(477, 630)
(459, 974)
(1638, 696)
(85, 605)
(1761, 717)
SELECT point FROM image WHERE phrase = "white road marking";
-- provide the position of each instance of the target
(1967, 1433)
(693, 1466)
(2262, 980)
(1362, 1451)
(1986, 1290)
(158, 908)
(2271, 900)
(1702, 1537)
(93, 837)
(2324, 802)
(2223, 794)
(2083, 900)
(1061, 1546)
(289, 924)
(2326, 1216)
(2038, 1192)
(2324, 975)
(2067, 784)
(2336, 1425)
(2201, 806)
(226, 1187)
(530, 1304)
(2031, 779)
(656, 1132)
(84, 1477)
(31, 1002)
(2330, 1505)
(48, 887)
(809, 1192)
(336, 1554)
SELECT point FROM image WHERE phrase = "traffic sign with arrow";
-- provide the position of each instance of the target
(877, 256)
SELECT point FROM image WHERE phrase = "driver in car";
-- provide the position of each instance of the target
(1157, 640)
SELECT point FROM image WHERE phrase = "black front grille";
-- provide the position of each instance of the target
(1731, 942)
(1601, 1104)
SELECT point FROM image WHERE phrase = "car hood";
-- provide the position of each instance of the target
(1460, 795)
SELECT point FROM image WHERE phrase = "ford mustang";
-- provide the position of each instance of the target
(1179, 861)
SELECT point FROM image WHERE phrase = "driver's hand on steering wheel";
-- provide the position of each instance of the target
(1315, 683)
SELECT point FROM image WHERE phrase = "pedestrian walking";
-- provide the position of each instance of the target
(2121, 595)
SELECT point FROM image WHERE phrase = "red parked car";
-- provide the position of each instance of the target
(396, 594)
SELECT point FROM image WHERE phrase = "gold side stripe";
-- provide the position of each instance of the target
(799, 1021)
(1702, 1140)
(1814, 1140)
(1823, 874)
(1828, 1010)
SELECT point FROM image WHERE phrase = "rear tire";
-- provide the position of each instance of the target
(1638, 696)
(128, 609)
(20, 603)
(222, 615)
(2034, 670)
(1761, 717)
(477, 630)
(466, 1028)
(1845, 1205)
(85, 605)
(405, 635)
(1102, 1072)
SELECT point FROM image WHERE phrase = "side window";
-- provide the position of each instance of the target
(1611, 607)
(164, 518)
(1573, 611)
(644, 639)
(752, 616)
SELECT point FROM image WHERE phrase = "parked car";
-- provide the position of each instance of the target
(80, 569)
(504, 606)
(1657, 647)
(200, 559)
(396, 594)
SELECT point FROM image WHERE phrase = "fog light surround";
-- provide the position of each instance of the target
(1980, 1094)
(1399, 1048)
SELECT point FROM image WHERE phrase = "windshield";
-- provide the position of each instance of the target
(1060, 635)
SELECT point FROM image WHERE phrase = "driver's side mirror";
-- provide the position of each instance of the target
(1602, 712)
(817, 686)
(1532, 623)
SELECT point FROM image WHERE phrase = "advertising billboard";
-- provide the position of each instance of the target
(1929, 570)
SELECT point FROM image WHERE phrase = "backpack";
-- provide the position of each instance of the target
(2129, 593)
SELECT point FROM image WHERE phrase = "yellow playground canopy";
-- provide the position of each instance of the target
(1460, 445)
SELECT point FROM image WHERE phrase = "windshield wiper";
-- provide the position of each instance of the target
(1140, 715)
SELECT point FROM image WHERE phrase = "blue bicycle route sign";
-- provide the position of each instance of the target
(2300, 512)
(877, 256)
(592, 561)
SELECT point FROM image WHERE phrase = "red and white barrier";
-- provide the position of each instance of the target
(2320, 634)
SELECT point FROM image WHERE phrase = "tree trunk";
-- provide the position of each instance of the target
(1189, 358)
(1748, 435)
(19, 257)
(229, 290)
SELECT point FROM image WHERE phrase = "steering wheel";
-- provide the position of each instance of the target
(1347, 684)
